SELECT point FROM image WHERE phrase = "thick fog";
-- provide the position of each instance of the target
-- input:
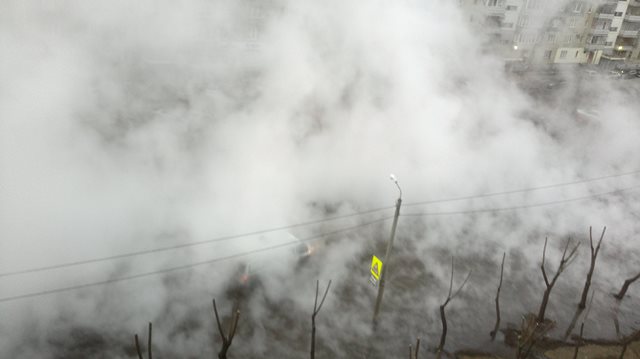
(131, 126)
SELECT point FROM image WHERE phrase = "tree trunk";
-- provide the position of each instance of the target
(443, 338)
(587, 284)
(223, 352)
(543, 305)
(313, 337)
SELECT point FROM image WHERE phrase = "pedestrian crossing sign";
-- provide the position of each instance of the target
(376, 267)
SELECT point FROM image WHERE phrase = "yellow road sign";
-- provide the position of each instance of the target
(376, 267)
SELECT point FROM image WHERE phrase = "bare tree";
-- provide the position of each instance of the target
(594, 256)
(625, 287)
(443, 318)
(316, 310)
(579, 342)
(587, 283)
(497, 326)
(414, 354)
(628, 340)
(564, 263)
(584, 319)
(148, 345)
(228, 338)
(531, 331)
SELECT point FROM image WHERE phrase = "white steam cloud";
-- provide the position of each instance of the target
(126, 127)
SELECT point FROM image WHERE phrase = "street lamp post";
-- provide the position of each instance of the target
(385, 267)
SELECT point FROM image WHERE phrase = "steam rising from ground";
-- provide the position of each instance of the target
(127, 126)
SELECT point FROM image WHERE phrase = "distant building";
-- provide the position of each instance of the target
(544, 32)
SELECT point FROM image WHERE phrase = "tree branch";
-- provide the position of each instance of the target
(544, 272)
(228, 338)
(138, 350)
(564, 263)
(138, 347)
(443, 318)
(316, 310)
(594, 256)
(497, 326)
(625, 287)
(215, 311)
(412, 354)
(149, 349)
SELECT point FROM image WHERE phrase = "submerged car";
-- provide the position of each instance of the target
(247, 275)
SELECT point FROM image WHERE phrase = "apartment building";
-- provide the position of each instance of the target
(545, 32)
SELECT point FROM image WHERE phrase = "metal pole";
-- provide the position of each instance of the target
(385, 266)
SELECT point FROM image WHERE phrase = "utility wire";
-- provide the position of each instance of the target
(311, 238)
(500, 209)
(186, 245)
(302, 224)
(522, 190)
(188, 266)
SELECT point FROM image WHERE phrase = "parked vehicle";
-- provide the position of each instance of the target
(246, 277)
(614, 74)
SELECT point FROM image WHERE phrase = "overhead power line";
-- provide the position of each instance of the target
(186, 245)
(307, 223)
(308, 239)
(522, 190)
(512, 208)
(188, 266)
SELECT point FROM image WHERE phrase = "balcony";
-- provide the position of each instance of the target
(633, 14)
(605, 16)
(629, 33)
(599, 32)
(623, 48)
(632, 18)
(624, 45)
(593, 47)
(606, 11)
(494, 11)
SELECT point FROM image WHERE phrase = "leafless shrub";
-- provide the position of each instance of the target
(531, 331)
(148, 345)
(414, 354)
(564, 263)
(443, 318)
(497, 326)
(228, 338)
(316, 310)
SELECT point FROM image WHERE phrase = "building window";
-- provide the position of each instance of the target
(577, 53)
(617, 13)
(613, 29)
(547, 54)
(572, 22)
(533, 4)
(577, 6)
(563, 54)
(491, 2)
(512, 8)
(569, 38)
(608, 43)
(523, 21)
(551, 37)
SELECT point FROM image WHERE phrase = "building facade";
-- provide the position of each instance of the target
(546, 32)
